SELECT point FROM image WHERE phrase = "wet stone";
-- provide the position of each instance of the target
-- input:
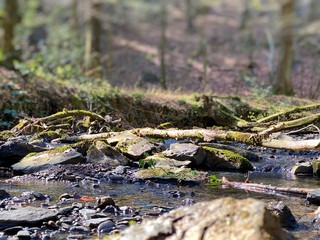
(23, 234)
(4, 194)
(106, 226)
(302, 169)
(280, 210)
(102, 202)
(95, 222)
(313, 197)
(12, 230)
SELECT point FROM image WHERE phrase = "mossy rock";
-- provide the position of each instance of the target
(102, 152)
(50, 135)
(225, 160)
(316, 167)
(5, 135)
(135, 148)
(159, 161)
(171, 174)
(43, 160)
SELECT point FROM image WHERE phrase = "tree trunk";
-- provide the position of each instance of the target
(92, 38)
(189, 16)
(75, 17)
(283, 84)
(163, 45)
(10, 20)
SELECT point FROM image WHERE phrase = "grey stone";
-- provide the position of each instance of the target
(159, 160)
(13, 151)
(135, 148)
(106, 226)
(44, 160)
(224, 218)
(95, 222)
(4, 194)
(314, 197)
(103, 153)
(23, 234)
(186, 151)
(25, 216)
(280, 210)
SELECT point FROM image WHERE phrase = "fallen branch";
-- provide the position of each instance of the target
(254, 187)
(286, 113)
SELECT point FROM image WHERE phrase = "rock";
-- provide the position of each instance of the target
(4, 194)
(160, 160)
(186, 151)
(23, 234)
(40, 161)
(244, 153)
(106, 226)
(135, 148)
(171, 173)
(100, 152)
(13, 151)
(102, 202)
(25, 216)
(95, 222)
(226, 160)
(316, 167)
(280, 210)
(12, 230)
(121, 137)
(302, 169)
(313, 197)
(224, 218)
(87, 213)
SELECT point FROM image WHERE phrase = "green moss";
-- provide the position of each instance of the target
(244, 137)
(50, 135)
(59, 149)
(20, 125)
(180, 174)
(124, 144)
(4, 135)
(31, 154)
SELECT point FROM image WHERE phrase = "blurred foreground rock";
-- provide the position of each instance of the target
(225, 218)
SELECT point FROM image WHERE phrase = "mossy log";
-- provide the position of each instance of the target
(302, 192)
(206, 135)
(286, 113)
(73, 113)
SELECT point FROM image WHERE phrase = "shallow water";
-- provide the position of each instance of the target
(144, 198)
(147, 198)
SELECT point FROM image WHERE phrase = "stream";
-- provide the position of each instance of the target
(151, 200)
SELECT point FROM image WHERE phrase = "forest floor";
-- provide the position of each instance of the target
(237, 59)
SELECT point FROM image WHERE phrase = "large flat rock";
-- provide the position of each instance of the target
(43, 160)
(25, 216)
(220, 219)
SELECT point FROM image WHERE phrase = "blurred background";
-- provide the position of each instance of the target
(259, 47)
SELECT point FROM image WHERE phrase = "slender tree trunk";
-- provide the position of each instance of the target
(10, 20)
(163, 45)
(75, 17)
(314, 10)
(189, 15)
(92, 38)
(283, 84)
